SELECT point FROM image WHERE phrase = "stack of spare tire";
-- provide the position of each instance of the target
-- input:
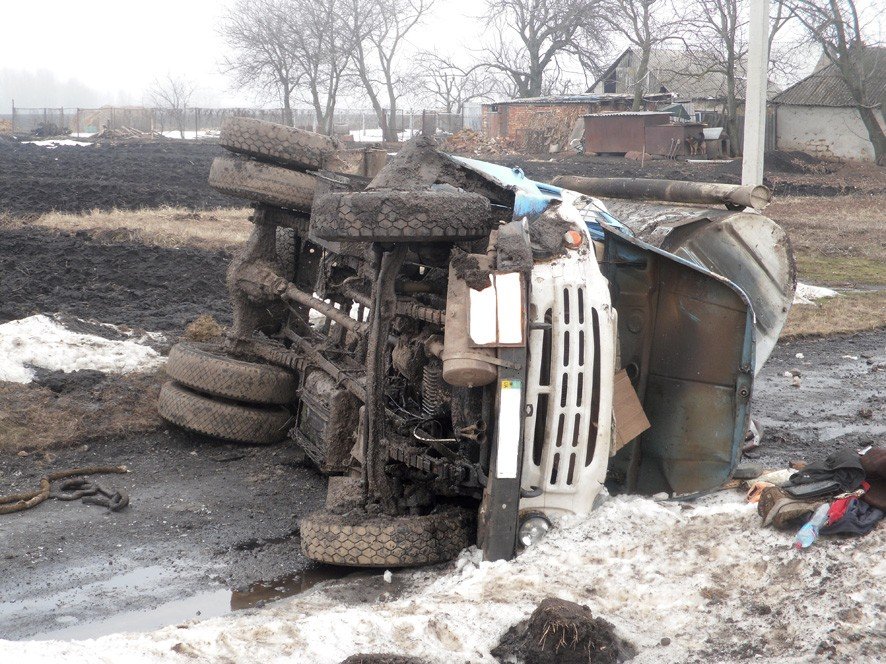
(211, 393)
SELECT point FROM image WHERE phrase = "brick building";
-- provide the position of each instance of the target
(537, 123)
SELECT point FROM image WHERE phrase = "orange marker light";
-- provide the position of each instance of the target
(572, 239)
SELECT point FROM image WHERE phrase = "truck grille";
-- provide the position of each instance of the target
(564, 434)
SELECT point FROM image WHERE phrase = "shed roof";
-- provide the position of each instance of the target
(624, 113)
(585, 98)
(825, 86)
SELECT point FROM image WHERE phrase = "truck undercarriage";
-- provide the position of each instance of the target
(459, 348)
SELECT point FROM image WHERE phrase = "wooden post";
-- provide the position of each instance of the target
(13, 116)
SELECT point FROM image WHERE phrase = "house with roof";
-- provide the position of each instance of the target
(817, 115)
(696, 79)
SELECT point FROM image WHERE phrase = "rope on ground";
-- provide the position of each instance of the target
(18, 502)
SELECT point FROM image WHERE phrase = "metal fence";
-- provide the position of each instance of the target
(360, 124)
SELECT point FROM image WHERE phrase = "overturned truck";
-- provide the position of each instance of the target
(470, 355)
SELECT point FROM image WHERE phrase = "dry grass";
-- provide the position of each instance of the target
(203, 328)
(850, 312)
(839, 271)
(223, 229)
(838, 241)
(33, 417)
(834, 226)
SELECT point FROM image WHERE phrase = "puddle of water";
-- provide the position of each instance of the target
(73, 613)
(208, 604)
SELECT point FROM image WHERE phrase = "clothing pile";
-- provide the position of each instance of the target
(851, 484)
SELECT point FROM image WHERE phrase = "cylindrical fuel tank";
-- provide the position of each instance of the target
(463, 365)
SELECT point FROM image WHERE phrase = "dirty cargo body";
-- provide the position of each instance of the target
(468, 354)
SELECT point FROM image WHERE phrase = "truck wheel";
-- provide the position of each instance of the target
(208, 369)
(385, 541)
(277, 143)
(401, 216)
(222, 419)
(262, 183)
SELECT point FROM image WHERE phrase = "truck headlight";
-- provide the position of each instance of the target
(533, 529)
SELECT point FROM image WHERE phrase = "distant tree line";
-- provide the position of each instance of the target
(318, 51)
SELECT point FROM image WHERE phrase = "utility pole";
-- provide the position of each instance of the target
(755, 96)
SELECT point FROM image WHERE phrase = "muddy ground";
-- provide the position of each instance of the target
(213, 527)
(126, 175)
(207, 523)
(152, 288)
(785, 173)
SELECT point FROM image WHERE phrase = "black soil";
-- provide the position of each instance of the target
(153, 288)
(128, 175)
(787, 173)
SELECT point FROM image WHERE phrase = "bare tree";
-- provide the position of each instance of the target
(716, 39)
(379, 29)
(449, 86)
(529, 38)
(259, 32)
(645, 24)
(173, 94)
(840, 29)
(323, 45)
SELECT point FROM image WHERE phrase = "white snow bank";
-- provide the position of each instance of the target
(44, 342)
(706, 577)
(55, 142)
(192, 135)
(376, 136)
(807, 294)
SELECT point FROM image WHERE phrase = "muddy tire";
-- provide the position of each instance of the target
(225, 420)
(262, 183)
(401, 216)
(208, 369)
(276, 143)
(384, 541)
(285, 245)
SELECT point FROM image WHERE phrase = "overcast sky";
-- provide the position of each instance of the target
(119, 47)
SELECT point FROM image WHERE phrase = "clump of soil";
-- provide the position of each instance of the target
(561, 632)
(546, 234)
(148, 287)
(467, 267)
(203, 328)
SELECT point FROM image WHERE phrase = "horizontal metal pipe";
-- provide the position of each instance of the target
(293, 294)
(674, 191)
(313, 356)
(404, 307)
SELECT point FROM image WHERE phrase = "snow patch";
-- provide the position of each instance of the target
(375, 135)
(807, 294)
(193, 135)
(704, 575)
(55, 142)
(42, 341)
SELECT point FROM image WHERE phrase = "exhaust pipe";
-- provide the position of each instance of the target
(733, 196)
